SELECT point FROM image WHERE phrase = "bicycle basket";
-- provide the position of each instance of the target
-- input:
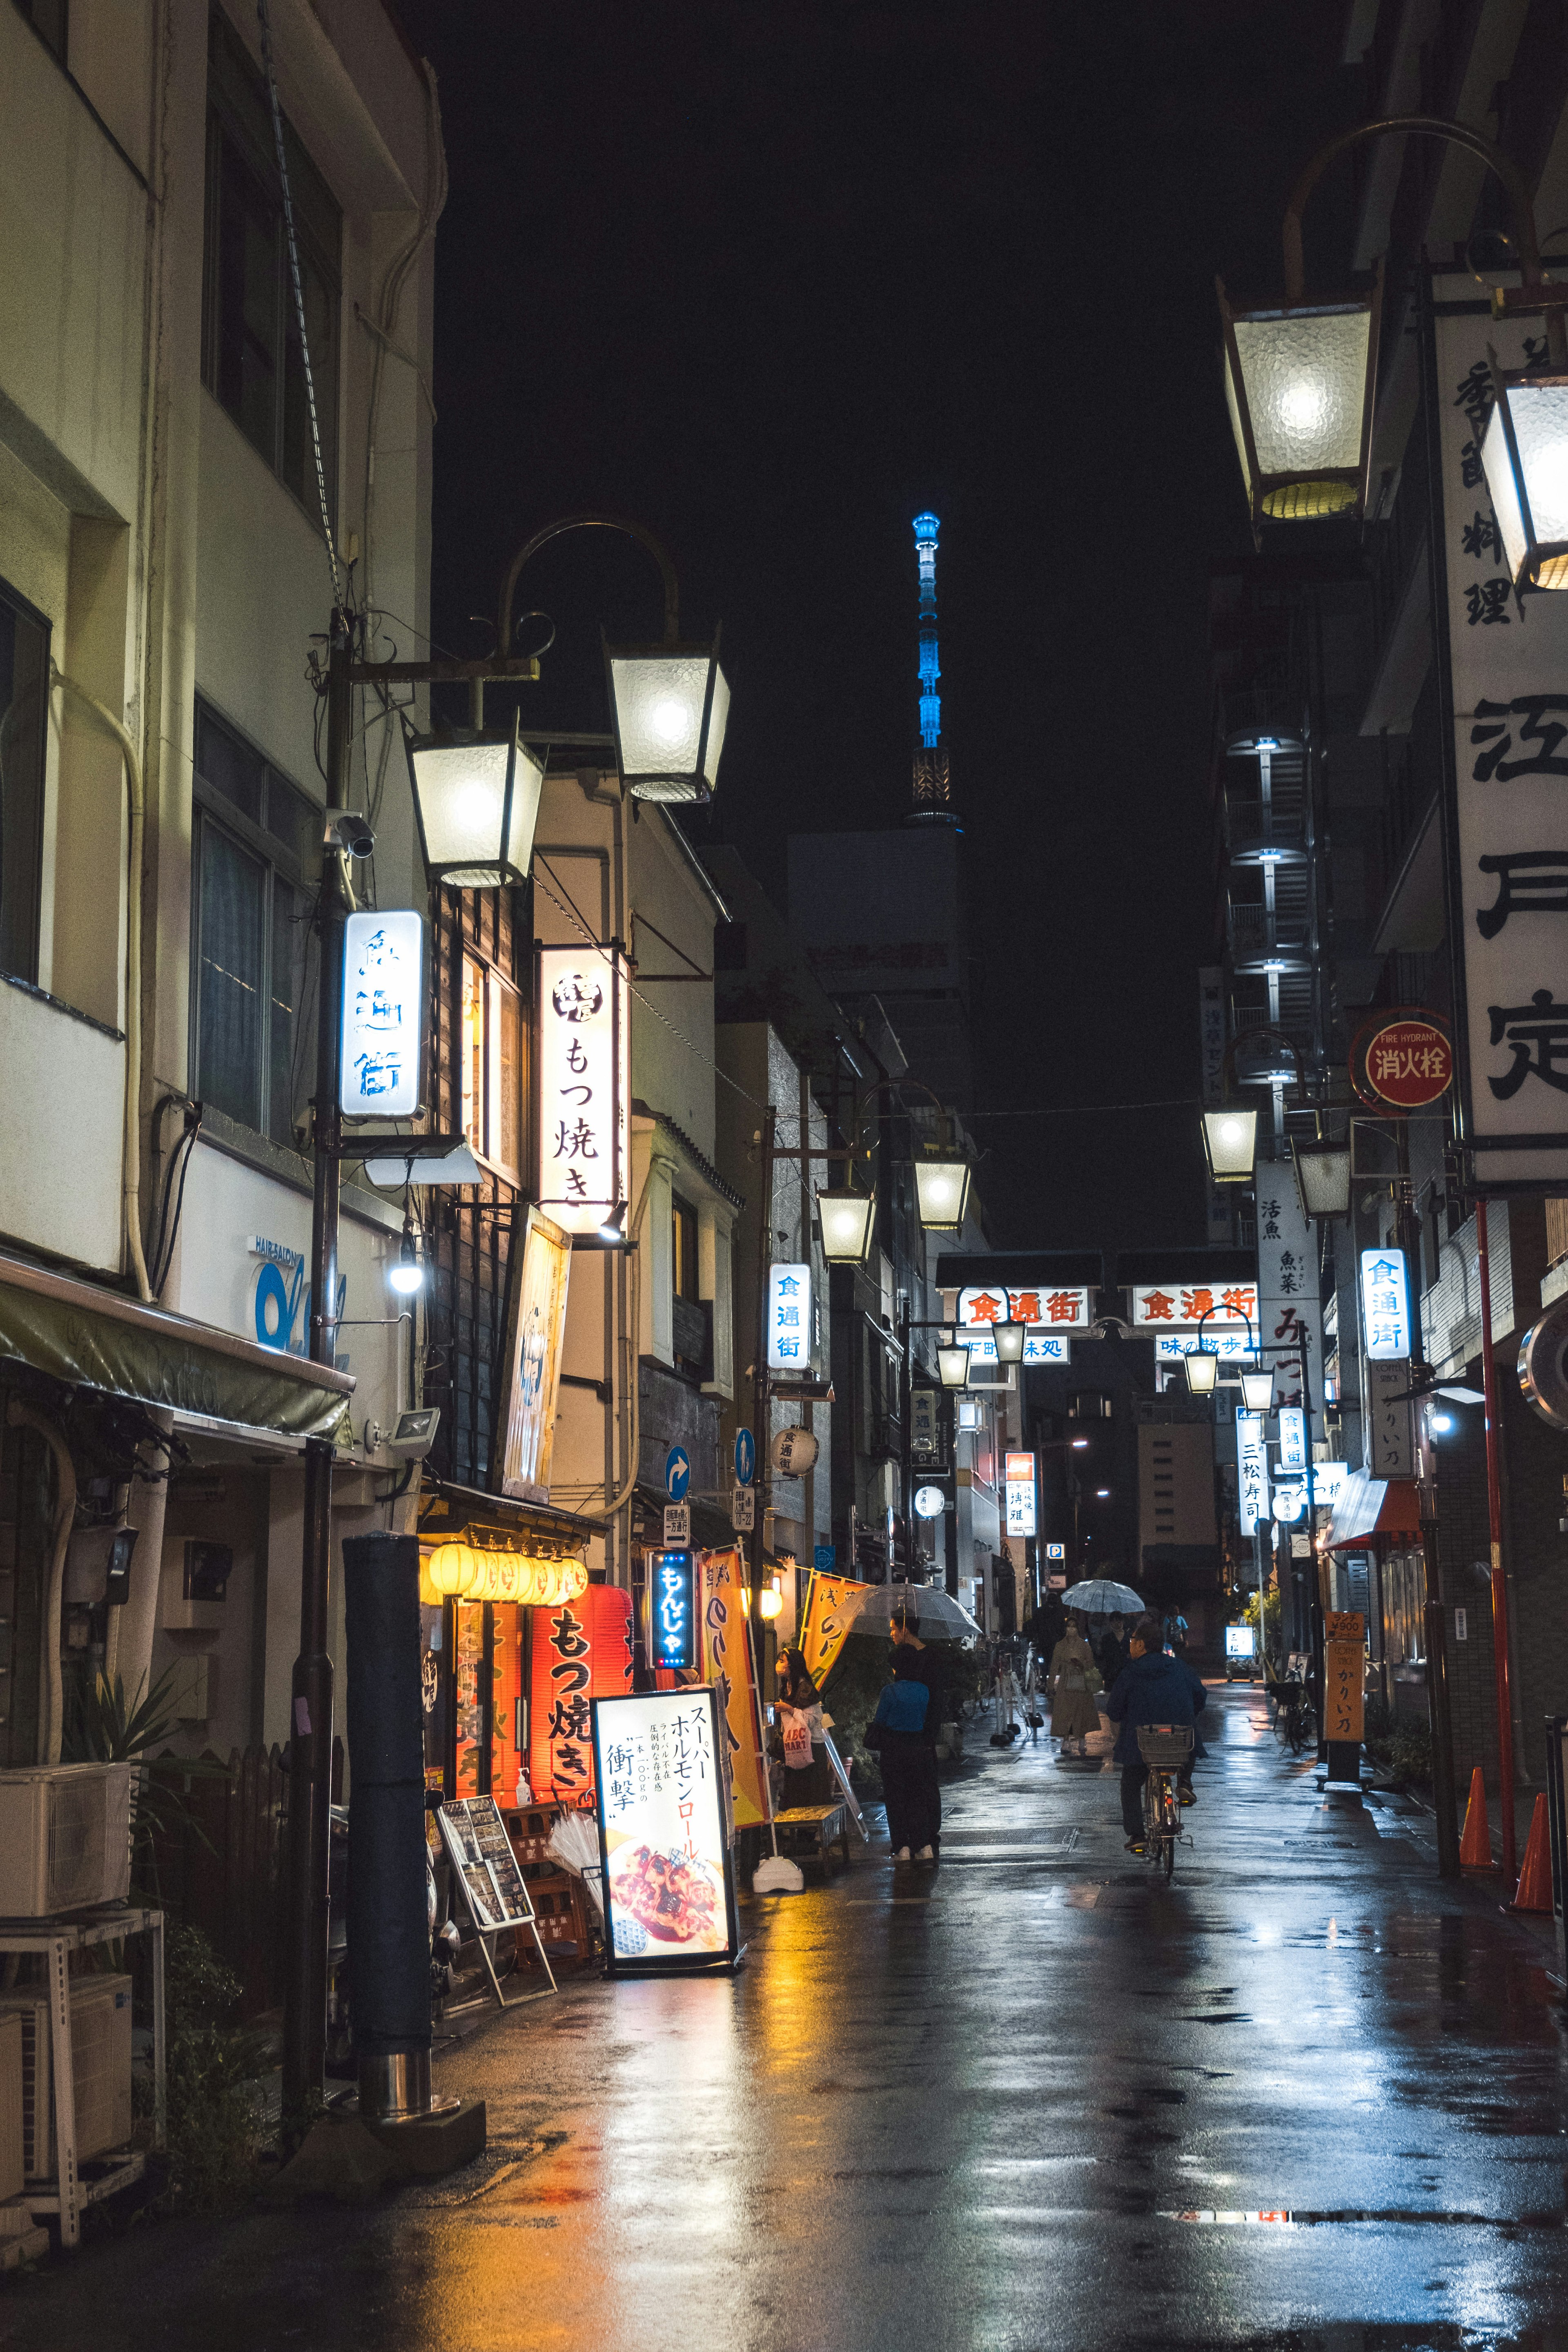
(1166, 1745)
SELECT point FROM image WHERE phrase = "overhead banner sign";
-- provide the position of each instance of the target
(1051, 1317)
(1019, 1485)
(789, 1318)
(668, 1877)
(583, 1085)
(1505, 848)
(383, 1011)
(1252, 1466)
(1156, 1305)
(1170, 1347)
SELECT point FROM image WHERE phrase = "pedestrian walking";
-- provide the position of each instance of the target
(1110, 1651)
(1176, 1631)
(1152, 1688)
(1074, 1679)
(803, 1732)
(903, 1731)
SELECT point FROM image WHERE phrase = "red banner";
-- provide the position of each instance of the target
(581, 1651)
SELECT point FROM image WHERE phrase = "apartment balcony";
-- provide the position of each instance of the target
(1256, 836)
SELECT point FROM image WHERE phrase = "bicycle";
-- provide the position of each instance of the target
(1292, 1714)
(1164, 1747)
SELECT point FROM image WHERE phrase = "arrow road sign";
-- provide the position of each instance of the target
(677, 1473)
(745, 1457)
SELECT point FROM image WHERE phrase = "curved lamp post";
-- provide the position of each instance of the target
(847, 1215)
(1300, 382)
(1230, 1130)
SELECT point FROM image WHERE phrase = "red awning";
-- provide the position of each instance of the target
(1373, 1507)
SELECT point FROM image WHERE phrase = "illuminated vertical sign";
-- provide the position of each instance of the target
(1019, 1484)
(1252, 1464)
(1385, 1306)
(1292, 1438)
(789, 1318)
(585, 1084)
(673, 1610)
(383, 1015)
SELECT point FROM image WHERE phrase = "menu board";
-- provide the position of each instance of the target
(481, 1855)
(669, 1886)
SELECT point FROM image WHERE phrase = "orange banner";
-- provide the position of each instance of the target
(828, 1623)
(727, 1664)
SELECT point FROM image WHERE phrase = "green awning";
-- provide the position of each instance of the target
(91, 1337)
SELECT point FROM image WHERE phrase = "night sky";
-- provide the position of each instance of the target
(775, 275)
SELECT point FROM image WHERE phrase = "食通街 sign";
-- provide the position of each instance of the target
(669, 1885)
(1505, 836)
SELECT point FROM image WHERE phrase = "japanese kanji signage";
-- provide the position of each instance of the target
(1405, 1064)
(669, 1888)
(581, 1651)
(1157, 1306)
(383, 998)
(585, 1084)
(1389, 1426)
(1505, 844)
(727, 1665)
(789, 1318)
(1252, 1468)
(1051, 1314)
(1020, 1493)
(1170, 1347)
(1385, 1306)
(672, 1609)
(1344, 1675)
(925, 1423)
(829, 1618)
(538, 1272)
(1292, 1438)
(1289, 1308)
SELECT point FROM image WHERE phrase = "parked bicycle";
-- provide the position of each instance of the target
(1166, 1750)
(1294, 1722)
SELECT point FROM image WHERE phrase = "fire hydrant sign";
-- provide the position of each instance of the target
(669, 1887)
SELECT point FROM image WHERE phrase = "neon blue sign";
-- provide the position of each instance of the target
(674, 1611)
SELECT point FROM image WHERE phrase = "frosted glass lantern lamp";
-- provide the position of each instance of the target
(1203, 1371)
(845, 1217)
(953, 1365)
(1009, 1341)
(669, 704)
(1323, 1178)
(476, 797)
(941, 1188)
(1230, 1144)
(1298, 385)
(1524, 455)
(1257, 1391)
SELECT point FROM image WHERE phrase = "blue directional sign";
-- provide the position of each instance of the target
(677, 1473)
(745, 1457)
(674, 1609)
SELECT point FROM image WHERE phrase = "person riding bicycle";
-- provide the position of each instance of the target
(1150, 1688)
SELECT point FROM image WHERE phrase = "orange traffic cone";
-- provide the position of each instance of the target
(1476, 1845)
(1535, 1879)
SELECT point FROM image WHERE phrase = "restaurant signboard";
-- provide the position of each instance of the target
(668, 1873)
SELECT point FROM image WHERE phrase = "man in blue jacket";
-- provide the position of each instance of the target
(1150, 1688)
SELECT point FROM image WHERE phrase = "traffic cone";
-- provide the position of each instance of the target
(1535, 1879)
(1476, 1845)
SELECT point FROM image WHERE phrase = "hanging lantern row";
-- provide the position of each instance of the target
(460, 1571)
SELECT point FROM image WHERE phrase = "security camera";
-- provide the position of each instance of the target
(347, 830)
(416, 1434)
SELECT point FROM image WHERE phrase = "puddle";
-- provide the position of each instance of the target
(1309, 2217)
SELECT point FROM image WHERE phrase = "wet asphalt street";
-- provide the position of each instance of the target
(1304, 2096)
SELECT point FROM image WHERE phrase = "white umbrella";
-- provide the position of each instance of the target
(1101, 1596)
(941, 1618)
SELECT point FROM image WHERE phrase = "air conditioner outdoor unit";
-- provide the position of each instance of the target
(64, 1838)
(100, 2063)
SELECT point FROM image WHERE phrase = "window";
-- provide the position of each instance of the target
(683, 1257)
(47, 19)
(252, 850)
(492, 1068)
(251, 360)
(24, 741)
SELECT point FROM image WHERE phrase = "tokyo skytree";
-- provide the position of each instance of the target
(931, 781)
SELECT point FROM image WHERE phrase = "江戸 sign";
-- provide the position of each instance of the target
(585, 1084)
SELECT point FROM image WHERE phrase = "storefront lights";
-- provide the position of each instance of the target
(476, 797)
(1257, 1391)
(1203, 1371)
(952, 1366)
(1323, 1178)
(671, 704)
(462, 1571)
(1230, 1144)
(1299, 385)
(1524, 455)
(406, 1273)
(941, 1188)
(770, 1600)
(846, 1218)
(1009, 1340)
(454, 1568)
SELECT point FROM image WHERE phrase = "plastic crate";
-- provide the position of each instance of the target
(1166, 1745)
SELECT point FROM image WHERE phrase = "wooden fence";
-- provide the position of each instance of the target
(216, 1859)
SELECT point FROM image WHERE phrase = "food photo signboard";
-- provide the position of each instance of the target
(670, 1885)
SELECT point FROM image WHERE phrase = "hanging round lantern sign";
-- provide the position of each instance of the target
(1402, 1060)
(794, 1453)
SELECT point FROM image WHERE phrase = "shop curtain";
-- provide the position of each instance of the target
(581, 1651)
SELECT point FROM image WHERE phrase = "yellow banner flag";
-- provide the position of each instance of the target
(828, 1623)
(727, 1664)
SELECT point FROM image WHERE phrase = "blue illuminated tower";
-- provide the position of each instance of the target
(932, 795)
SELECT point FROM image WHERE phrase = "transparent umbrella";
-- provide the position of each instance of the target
(942, 1618)
(1101, 1596)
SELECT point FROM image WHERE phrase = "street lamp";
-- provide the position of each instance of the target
(1257, 1389)
(1323, 1177)
(406, 1273)
(1230, 1144)
(1300, 382)
(953, 1365)
(670, 705)
(1203, 1370)
(476, 796)
(1009, 1339)
(941, 1188)
(846, 1218)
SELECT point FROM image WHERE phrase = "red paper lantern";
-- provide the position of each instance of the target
(581, 1651)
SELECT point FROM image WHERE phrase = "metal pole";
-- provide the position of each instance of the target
(1494, 1519)
(905, 1458)
(761, 1409)
(1444, 1797)
(310, 1723)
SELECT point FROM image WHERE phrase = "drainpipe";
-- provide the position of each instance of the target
(51, 1694)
